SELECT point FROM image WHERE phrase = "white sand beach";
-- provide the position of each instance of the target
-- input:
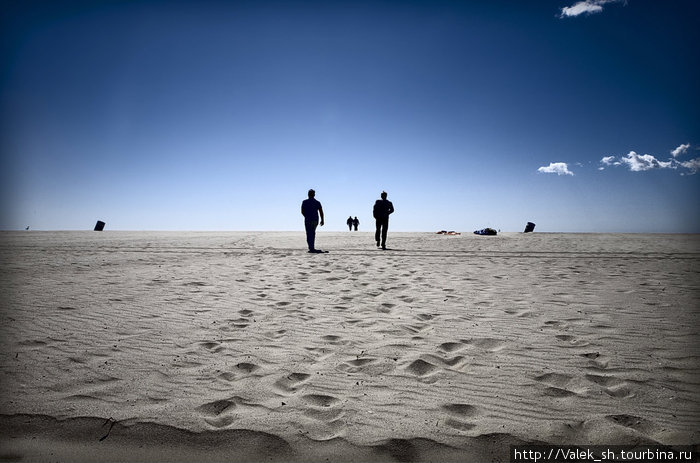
(241, 346)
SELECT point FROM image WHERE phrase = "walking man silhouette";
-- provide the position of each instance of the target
(311, 209)
(383, 208)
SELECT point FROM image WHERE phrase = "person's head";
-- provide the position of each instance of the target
(383, 195)
(312, 193)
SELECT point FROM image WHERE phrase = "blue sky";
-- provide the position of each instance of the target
(214, 115)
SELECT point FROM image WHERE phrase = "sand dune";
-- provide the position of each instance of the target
(243, 347)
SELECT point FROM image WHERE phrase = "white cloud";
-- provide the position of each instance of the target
(680, 150)
(640, 163)
(693, 165)
(609, 160)
(559, 168)
(584, 7)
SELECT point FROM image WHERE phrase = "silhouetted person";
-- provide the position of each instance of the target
(311, 209)
(382, 210)
(356, 223)
(349, 222)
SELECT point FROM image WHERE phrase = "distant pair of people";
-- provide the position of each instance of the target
(311, 209)
(352, 223)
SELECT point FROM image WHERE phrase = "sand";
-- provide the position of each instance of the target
(145, 346)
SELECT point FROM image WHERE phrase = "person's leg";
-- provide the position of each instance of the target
(377, 233)
(311, 234)
(385, 226)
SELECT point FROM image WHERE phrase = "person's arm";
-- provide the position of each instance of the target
(391, 208)
(320, 211)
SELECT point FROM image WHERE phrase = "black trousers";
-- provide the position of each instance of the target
(310, 226)
(382, 226)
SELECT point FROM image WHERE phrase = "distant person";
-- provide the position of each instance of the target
(356, 223)
(349, 222)
(311, 209)
(382, 210)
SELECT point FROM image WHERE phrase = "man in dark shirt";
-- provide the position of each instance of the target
(311, 209)
(382, 209)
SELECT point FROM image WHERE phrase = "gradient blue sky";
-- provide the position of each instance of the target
(214, 115)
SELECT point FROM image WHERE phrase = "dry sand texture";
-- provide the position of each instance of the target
(240, 346)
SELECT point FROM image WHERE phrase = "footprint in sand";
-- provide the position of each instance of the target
(552, 391)
(557, 384)
(320, 400)
(212, 346)
(613, 386)
(554, 379)
(571, 340)
(598, 362)
(634, 422)
(247, 367)
(522, 313)
(421, 368)
(290, 383)
(216, 413)
(236, 323)
(414, 329)
(241, 370)
(359, 362)
(333, 339)
(450, 362)
(605, 381)
(324, 408)
(327, 415)
(216, 408)
(487, 344)
(368, 365)
(385, 308)
(275, 334)
(458, 413)
(450, 347)
(555, 324)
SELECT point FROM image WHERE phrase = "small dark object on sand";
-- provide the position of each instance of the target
(486, 231)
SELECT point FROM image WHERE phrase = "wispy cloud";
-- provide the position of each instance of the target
(609, 161)
(693, 165)
(643, 162)
(559, 168)
(584, 7)
(680, 150)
